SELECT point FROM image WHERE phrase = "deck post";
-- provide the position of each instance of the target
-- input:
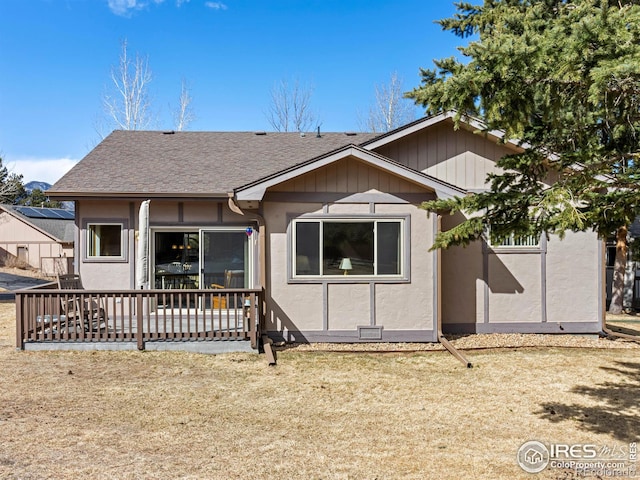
(139, 322)
(250, 318)
(19, 323)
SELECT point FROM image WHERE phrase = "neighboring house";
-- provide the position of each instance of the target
(331, 227)
(41, 238)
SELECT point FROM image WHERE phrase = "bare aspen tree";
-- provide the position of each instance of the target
(390, 109)
(183, 115)
(10, 190)
(290, 109)
(127, 106)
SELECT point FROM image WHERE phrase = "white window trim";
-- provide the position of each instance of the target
(405, 249)
(88, 223)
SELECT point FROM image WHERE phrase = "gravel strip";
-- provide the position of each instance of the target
(474, 342)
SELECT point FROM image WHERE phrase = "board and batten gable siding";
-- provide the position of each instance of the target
(459, 157)
(347, 176)
(327, 309)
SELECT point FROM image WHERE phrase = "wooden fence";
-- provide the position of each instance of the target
(52, 266)
(49, 315)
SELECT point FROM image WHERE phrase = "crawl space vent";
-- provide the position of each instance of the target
(370, 333)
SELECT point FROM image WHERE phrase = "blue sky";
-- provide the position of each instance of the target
(56, 57)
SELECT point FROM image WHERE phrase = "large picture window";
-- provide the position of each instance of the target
(348, 247)
(104, 240)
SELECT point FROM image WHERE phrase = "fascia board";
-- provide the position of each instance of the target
(71, 195)
(475, 124)
(403, 132)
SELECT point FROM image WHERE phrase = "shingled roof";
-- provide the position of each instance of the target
(190, 164)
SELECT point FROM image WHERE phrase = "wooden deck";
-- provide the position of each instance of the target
(49, 315)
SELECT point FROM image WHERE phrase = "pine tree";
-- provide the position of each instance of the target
(562, 77)
(37, 198)
(11, 186)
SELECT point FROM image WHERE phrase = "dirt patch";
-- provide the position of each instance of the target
(24, 272)
(317, 414)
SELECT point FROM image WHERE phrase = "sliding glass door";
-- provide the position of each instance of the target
(202, 258)
(176, 259)
(226, 259)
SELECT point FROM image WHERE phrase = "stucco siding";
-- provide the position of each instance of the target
(404, 307)
(290, 308)
(532, 289)
(109, 274)
(105, 274)
(348, 306)
(162, 212)
(410, 306)
(348, 209)
(514, 288)
(190, 213)
(573, 269)
(330, 304)
(462, 284)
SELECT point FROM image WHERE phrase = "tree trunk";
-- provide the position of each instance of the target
(619, 268)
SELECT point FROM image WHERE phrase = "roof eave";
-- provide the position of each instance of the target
(420, 124)
(257, 190)
(70, 196)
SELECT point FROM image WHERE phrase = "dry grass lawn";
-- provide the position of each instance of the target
(316, 415)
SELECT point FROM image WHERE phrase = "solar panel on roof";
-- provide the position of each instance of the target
(51, 213)
(29, 212)
(54, 213)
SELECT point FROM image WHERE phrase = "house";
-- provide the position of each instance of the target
(330, 226)
(41, 238)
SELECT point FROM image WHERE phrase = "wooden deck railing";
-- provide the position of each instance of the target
(48, 314)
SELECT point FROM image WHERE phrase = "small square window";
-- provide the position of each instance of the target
(104, 240)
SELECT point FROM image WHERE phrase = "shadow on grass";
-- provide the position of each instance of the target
(617, 411)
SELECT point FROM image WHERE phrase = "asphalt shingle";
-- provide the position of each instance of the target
(191, 163)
